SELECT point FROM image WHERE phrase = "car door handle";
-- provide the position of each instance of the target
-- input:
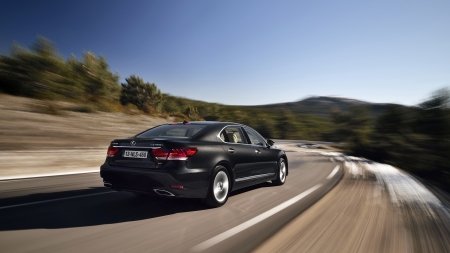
(257, 151)
(231, 150)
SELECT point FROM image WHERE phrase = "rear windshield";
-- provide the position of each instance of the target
(172, 131)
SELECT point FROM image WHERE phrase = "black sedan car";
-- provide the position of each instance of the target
(202, 159)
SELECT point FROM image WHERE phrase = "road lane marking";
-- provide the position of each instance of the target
(229, 233)
(336, 169)
(53, 200)
(48, 175)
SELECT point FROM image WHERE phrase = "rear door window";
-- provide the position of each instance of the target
(232, 134)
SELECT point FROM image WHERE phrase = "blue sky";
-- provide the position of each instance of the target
(252, 52)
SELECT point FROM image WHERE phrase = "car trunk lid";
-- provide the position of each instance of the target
(135, 153)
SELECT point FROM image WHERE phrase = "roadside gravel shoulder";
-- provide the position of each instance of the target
(356, 216)
(375, 208)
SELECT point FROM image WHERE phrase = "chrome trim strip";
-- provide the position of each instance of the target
(136, 147)
(218, 135)
(254, 177)
(163, 192)
(246, 144)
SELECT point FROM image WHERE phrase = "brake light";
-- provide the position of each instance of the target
(112, 151)
(160, 154)
(181, 154)
(191, 151)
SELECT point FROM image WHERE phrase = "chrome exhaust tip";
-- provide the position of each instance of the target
(163, 192)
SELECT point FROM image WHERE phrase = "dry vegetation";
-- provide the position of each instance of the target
(36, 124)
(43, 137)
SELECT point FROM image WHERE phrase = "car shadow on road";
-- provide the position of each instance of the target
(98, 207)
(92, 210)
(251, 188)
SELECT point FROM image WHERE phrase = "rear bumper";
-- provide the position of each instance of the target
(157, 181)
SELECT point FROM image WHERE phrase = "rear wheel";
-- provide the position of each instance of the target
(219, 187)
(281, 173)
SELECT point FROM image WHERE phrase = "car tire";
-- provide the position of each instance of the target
(219, 187)
(281, 173)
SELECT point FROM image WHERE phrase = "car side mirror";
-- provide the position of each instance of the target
(270, 142)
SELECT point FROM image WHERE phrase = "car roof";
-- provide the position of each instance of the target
(205, 123)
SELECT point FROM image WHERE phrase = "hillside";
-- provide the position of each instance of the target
(324, 105)
(29, 124)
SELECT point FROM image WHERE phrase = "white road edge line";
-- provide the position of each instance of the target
(47, 175)
(53, 200)
(229, 233)
(336, 169)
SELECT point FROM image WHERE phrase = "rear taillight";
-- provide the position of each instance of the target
(112, 151)
(160, 154)
(181, 154)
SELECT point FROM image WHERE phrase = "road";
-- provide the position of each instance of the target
(75, 213)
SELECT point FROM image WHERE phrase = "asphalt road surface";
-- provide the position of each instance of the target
(75, 213)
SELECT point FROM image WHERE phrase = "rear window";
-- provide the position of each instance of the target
(172, 131)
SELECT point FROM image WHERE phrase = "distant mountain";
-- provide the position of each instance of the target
(323, 106)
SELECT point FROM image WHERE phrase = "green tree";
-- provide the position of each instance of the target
(433, 122)
(41, 72)
(414, 139)
(286, 126)
(192, 113)
(141, 94)
(170, 107)
(35, 72)
(93, 76)
(353, 128)
(433, 119)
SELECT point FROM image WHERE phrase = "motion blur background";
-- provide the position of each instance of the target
(250, 61)
(366, 78)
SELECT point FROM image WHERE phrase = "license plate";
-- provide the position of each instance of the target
(135, 154)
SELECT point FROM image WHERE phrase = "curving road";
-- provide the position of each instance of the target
(75, 213)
